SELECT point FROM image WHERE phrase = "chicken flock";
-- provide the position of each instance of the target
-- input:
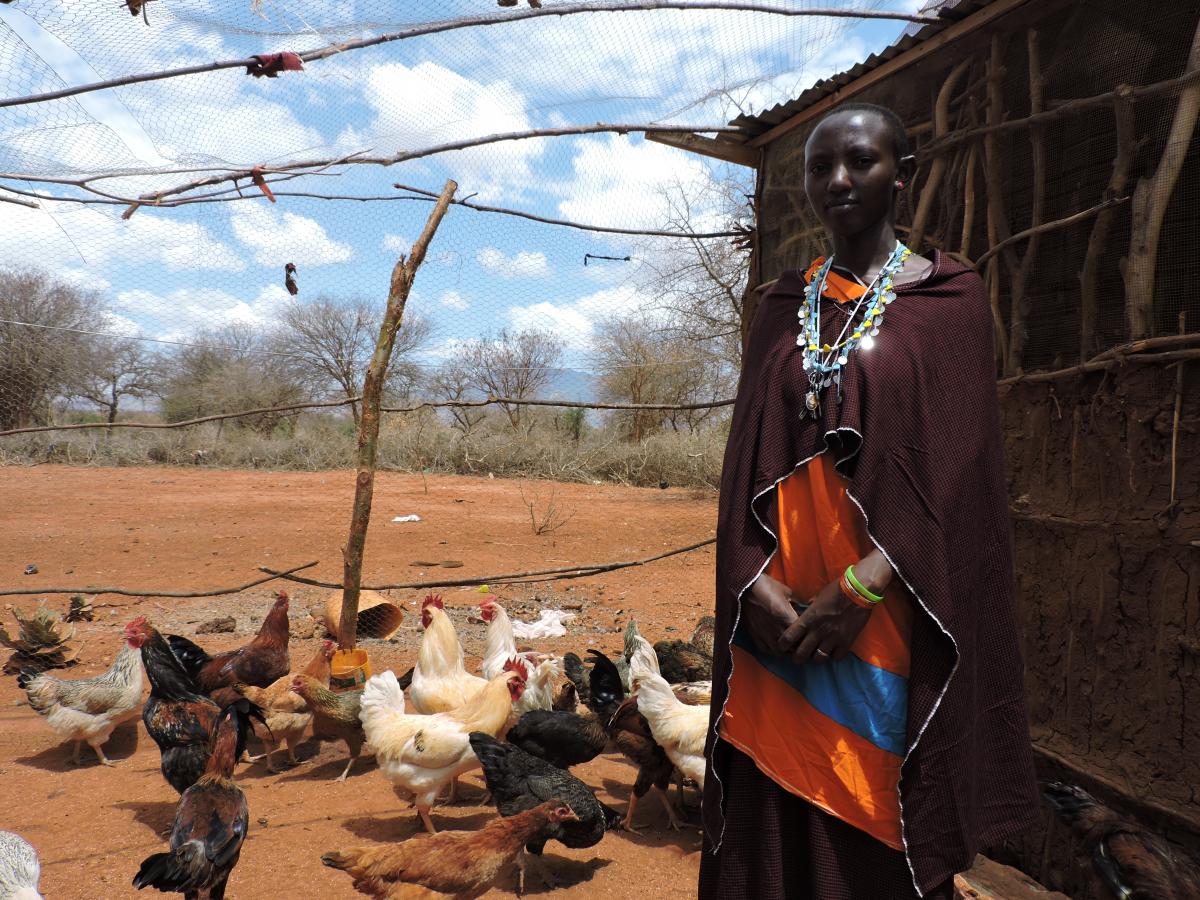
(526, 721)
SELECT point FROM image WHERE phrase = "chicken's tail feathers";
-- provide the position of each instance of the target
(381, 699)
(574, 670)
(183, 869)
(490, 752)
(604, 683)
(613, 820)
(1068, 800)
(191, 656)
(405, 680)
(25, 676)
(244, 712)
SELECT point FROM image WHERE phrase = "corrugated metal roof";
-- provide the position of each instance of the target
(951, 11)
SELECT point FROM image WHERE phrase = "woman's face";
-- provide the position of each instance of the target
(850, 171)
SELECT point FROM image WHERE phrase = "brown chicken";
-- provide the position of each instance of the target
(630, 731)
(459, 864)
(1130, 862)
(210, 821)
(287, 713)
(178, 719)
(334, 715)
(259, 663)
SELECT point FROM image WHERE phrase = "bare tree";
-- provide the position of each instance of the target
(639, 359)
(41, 325)
(512, 364)
(110, 370)
(331, 340)
(452, 381)
(698, 283)
(230, 369)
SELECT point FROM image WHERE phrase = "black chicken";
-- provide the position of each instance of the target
(1131, 862)
(563, 739)
(519, 781)
(179, 719)
(211, 821)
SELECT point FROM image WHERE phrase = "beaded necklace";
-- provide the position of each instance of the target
(824, 362)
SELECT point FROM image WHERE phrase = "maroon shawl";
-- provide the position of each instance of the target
(918, 436)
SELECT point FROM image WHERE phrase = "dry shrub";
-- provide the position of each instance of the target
(415, 442)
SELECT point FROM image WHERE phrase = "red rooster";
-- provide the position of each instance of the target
(211, 821)
(259, 663)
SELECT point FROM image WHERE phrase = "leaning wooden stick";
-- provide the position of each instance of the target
(403, 274)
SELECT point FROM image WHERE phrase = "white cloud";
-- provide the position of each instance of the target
(453, 300)
(428, 104)
(618, 182)
(573, 322)
(59, 235)
(523, 263)
(278, 237)
(396, 243)
(184, 311)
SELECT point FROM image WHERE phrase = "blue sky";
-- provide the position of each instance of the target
(167, 273)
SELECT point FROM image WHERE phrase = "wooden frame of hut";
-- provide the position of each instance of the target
(1058, 154)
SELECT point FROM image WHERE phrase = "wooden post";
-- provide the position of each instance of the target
(937, 169)
(1089, 275)
(1019, 306)
(997, 217)
(403, 274)
(1150, 200)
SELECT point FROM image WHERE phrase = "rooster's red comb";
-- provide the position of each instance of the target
(432, 600)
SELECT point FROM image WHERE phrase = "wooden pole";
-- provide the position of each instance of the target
(1151, 198)
(1089, 275)
(403, 274)
(937, 169)
(1019, 286)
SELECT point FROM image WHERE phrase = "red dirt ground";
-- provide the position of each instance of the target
(183, 529)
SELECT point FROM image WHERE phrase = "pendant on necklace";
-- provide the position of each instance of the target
(812, 404)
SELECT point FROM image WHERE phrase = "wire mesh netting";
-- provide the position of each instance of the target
(1071, 293)
(210, 297)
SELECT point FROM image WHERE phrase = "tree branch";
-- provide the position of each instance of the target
(567, 572)
(1050, 226)
(360, 158)
(470, 22)
(416, 407)
(127, 592)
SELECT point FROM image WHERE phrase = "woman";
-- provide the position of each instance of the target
(869, 731)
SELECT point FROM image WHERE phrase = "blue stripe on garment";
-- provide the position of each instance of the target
(871, 702)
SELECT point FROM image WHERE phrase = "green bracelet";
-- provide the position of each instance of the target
(858, 586)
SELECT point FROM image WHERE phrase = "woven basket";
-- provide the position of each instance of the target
(378, 617)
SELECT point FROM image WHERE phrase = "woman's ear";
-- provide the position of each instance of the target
(905, 169)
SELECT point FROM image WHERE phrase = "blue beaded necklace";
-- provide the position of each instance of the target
(824, 362)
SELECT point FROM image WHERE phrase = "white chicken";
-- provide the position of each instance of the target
(678, 728)
(19, 868)
(89, 709)
(421, 754)
(542, 671)
(440, 681)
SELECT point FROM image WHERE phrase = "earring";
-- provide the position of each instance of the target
(900, 185)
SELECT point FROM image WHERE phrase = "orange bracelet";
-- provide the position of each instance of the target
(854, 596)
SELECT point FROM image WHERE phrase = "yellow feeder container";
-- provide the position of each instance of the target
(349, 670)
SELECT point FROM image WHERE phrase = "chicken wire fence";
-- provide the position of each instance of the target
(1116, 92)
(265, 286)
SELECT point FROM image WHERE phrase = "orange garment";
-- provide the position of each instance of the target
(832, 733)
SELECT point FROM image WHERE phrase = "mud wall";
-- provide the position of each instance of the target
(1109, 599)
